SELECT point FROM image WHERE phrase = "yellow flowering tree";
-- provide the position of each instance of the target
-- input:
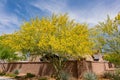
(52, 35)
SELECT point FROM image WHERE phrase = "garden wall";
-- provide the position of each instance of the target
(74, 68)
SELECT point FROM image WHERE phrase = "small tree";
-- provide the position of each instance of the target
(108, 38)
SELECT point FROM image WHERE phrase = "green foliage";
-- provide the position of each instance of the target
(16, 72)
(5, 53)
(115, 76)
(105, 35)
(117, 18)
(107, 39)
(107, 75)
(2, 73)
(113, 58)
(112, 75)
(29, 75)
(65, 75)
(43, 78)
(90, 76)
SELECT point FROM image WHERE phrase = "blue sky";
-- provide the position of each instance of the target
(14, 12)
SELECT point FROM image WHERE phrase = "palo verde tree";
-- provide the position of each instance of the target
(115, 43)
(52, 35)
(108, 38)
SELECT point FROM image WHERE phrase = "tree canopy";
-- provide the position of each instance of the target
(54, 35)
(107, 38)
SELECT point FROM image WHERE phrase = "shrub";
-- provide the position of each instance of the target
(115, 76)
(16, 72)
(29, 75)
(90, 76)
(18, 77)
(64, 75)
(112, 76)
(2, 73)
(43, 78)
(107, 75)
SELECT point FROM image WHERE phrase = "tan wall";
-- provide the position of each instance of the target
(101, 67)
(40, 68)
(74, 68)
(98, 67)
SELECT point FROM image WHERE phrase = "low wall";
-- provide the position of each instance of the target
(74, 68)
(101, 67)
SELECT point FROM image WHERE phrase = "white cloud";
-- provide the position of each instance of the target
(52, 6)
(92, 15)
(8, 22)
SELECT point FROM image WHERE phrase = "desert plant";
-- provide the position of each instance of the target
(116, 75)
(117, 70)
(2, 73)
(65, 75)
(43, 78)
(90, 76)
(107, 75)
(16, 72)
(29, 75)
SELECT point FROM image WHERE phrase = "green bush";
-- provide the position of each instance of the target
(64, 75)
(2, 73)
(43, 78)
(16, 72)
(112, 76)
(107, 75)
(115, 76)
(29, 75)
(90, 76)
(18, 77)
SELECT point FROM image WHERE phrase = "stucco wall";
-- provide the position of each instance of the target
(74, 68)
